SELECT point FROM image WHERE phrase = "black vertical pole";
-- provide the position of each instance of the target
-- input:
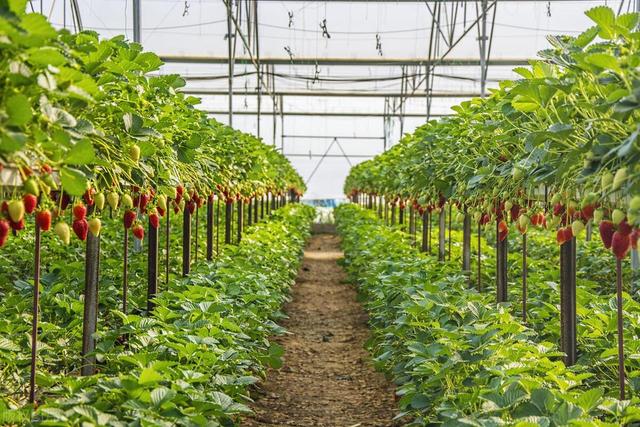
(35, 313)
(186, 241)
(401, 215)
(621, 373)
(167, 244)
(524, 278)
(255, 210)
(250, 212)
(197, 226)
(210, 227)
(466, 244)
(479, 262)
(450, 215)
(441, 234)
(125, 271)
(429, 231)
(218, 226)
(568, 300)
(393, 213)
(152, 267)
(240, 218)
(424, 246)
(262, 207)
(90, 321)
(228, 214)
(501, 266)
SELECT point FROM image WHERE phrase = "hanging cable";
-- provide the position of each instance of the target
(325, 32)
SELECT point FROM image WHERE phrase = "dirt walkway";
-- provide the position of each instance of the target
(327, 378)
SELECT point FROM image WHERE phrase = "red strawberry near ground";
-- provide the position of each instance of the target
(503, 230)
(30, 202)
(4, 231)
(17, 226)
(606, 233)
(81, 228)
(129, 217)
(620, 244)
(43, 220)
(154, 219)
(138, 231)
(79, 211)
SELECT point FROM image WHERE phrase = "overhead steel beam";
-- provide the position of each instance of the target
(320, 114)
(136, 21)
(331, 137)
(355, 156)
(335, 94)
(180, 59)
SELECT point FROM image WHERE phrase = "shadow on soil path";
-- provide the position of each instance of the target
(327, 378)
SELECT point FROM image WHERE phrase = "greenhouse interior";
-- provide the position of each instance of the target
(340, 213)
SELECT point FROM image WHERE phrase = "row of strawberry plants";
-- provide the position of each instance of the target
(87, 133)
(556, 150)
(457, 358)
(191, 362)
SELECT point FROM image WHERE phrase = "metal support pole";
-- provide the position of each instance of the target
(167, 244)
(228, 214)
(35, 312)
(449, 242)
(483, 50)
(441, 235)
(136, 21)
(186, 241)
(218, 226)
(197, 228)
(250, 212)
(240, 220)
(152, 267)
(619, 301)
(425, 228)
(393, 213)
(466, 244)
(125, 271)
(258, 67)
(524, 278)
(501, 266)
(210, 227)
(90, 320)
(568, 300)
(479, 262)
(401, 215)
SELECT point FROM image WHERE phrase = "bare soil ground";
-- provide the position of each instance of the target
(327, 378)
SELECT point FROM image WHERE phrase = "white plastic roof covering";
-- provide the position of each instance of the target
(198, 28)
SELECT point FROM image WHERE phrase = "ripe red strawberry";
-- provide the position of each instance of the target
(79, 212)
(144, 201)
(81, 228)
(515, 212)
(179, 190)
(43, 220)
(620, 244)
(161, 211)
(191, 206)
(129, 217)
(624, 227)
(503, 230)
(46, 168)
(558, 209)
(4, 231)
(564, 234)
(154, 219)
(587, 212)
(138, 231)
(606, 233)
(30, 202)
(88, 196)
(17, 226)
(4, 207)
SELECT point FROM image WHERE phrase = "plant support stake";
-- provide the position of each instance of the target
(186, 241)
(152, 267)
(35, 313)
(568, 300)
(90, 321)
(621, 373)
